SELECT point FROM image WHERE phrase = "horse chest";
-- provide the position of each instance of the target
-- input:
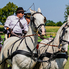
(24, 62)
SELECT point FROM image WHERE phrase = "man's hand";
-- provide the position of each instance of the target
(25, 32)
(7, 28)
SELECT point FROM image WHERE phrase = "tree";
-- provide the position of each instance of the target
(6, 11)
(47, 21)
(64, 22)
(66, 13)
(50, 23)
(59, 23)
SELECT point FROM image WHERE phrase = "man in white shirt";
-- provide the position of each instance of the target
(17, 23)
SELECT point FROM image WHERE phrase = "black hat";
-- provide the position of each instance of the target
(20, 9)
(27, 15)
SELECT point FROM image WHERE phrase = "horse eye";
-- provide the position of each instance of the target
(44, 19)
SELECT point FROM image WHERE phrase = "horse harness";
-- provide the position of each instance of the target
(57, 54)
(35, 55)
(64, 30)
(32, 55)
(32, 19)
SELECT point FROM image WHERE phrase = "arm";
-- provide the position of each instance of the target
(25, 27)
(7, 23)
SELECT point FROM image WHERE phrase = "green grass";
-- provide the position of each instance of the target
(2, 36)
(1, 26)
(67, 65)
(52, 28)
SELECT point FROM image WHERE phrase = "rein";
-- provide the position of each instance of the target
(29, 35)
(49, 45)
(40, 43)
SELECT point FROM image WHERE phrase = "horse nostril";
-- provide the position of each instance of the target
(39, 32)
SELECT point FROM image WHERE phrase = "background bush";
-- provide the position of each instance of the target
(1, 28)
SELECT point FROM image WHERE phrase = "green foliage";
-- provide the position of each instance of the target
(66, 13)
(1, 28)
(52, 28)
(6, 11)
(51, 23)
(59, 23)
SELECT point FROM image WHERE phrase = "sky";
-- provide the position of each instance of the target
(51, 9)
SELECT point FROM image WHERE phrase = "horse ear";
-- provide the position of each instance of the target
(32, 11)
(39, 10)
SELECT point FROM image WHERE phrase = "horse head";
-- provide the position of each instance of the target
(38, 21)
(64, 36)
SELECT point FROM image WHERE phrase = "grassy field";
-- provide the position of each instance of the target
(67, 65)
(50, 30)
(1, 26)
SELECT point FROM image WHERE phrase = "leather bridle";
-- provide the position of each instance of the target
(32, 18)
(61, 38)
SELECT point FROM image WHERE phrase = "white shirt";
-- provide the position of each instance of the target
(11, 22)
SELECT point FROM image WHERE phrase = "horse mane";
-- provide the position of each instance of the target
(56, 39)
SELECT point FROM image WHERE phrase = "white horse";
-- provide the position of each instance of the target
(61, 41)
(27, 44)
